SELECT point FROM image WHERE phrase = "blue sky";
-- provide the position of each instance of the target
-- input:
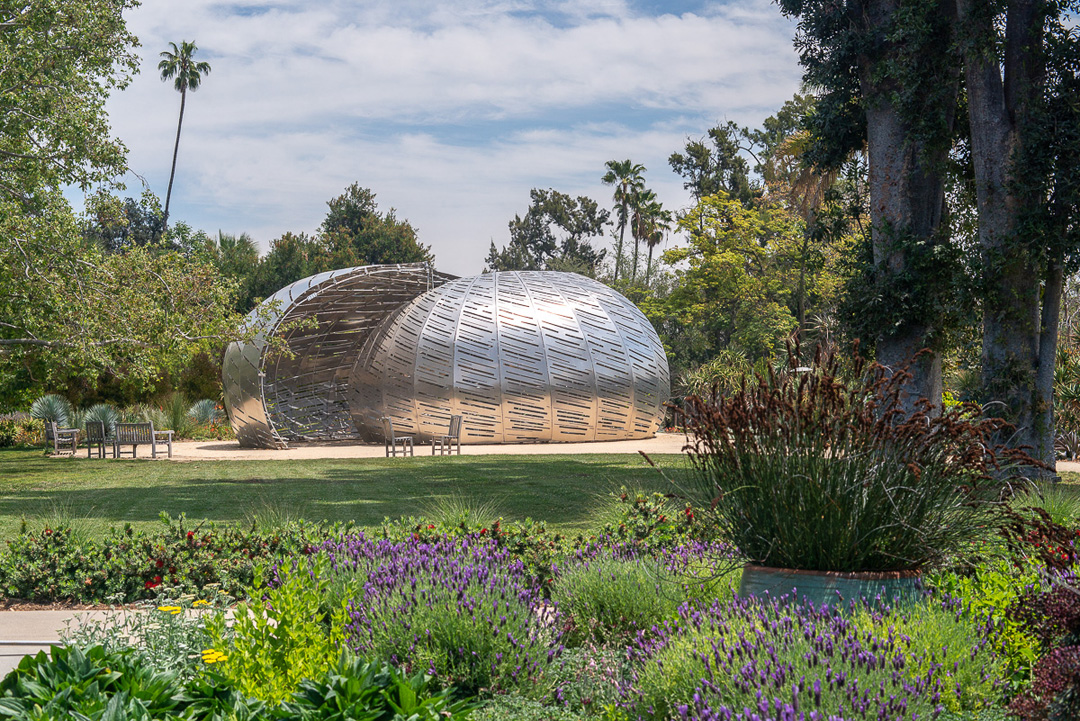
(449, 112)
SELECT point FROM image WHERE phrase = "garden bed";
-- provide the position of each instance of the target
(497, 620)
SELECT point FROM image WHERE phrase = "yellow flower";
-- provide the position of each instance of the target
(170, 609)
(212, 655)
(201, 602)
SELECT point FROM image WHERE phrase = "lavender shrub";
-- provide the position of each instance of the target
(744, 660)
(461, 608)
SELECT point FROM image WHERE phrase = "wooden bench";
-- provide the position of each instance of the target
(445, 444)
(140, 434)
(393, 440)
(64, 441)
(98, 438)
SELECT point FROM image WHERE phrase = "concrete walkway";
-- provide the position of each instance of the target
(27, 632)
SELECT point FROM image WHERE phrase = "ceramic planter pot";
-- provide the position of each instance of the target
(832, 588)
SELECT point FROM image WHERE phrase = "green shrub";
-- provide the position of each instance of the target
(104, 413)
(1060, 500)
(652, 520)
(19, 429)
(809, 471)
(358, 689)
(612, 599)
(204, 412)
(988, 592)
(57, 563)
(9, 431)
(167, 637)
(281, 637)
(523, 708)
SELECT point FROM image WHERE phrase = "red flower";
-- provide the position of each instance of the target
(483, 531)
(430, 526)
(159, 563)
(153, 584)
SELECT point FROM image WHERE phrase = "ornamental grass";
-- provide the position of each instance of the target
(809, 470)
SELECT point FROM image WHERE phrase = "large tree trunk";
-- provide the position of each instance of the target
(1022, 292)
(176, 149)
(907, 199)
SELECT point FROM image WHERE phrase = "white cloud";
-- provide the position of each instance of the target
(449, 112)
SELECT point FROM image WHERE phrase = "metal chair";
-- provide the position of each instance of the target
(393, 441)
(446, 444)
(65, 441)
(97, 437)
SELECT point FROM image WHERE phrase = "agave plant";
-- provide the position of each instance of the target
(204, 412)
(1067, 445)
(146, 413)
(52, 407)
(105, 413)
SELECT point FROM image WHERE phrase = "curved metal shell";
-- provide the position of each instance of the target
(521, 356)
(272, 398)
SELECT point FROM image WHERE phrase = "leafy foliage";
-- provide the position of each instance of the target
(736, 287)
(280, 637)
(58, 63)
(533, 243)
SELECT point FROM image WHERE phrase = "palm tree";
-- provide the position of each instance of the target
(651, 223)
(626, 177)
(186, 75)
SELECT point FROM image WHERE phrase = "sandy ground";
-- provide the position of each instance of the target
(231, 450)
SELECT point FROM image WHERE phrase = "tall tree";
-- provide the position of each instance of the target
(555, 234)
(1022, 72)
(117, 225)
(626, 177)
(356, 233)
(179, 66)
(714, 164)
(236, 257)
(651, 222)
(58, 62)
(889, 79)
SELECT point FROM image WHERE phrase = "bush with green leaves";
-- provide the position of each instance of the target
(98, 684)
(71, 683)
(19, 429)
(610, 598)
(60, 564)
(204, 412)
(281, 636)
(807, 470)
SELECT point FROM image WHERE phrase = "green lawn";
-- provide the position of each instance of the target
(564, 490)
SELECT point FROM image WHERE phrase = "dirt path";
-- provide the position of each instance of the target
(231, 450)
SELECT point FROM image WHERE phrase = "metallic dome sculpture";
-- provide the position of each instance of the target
(521, 356)
(273, 398)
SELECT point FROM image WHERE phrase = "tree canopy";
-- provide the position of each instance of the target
(59, 60)
(555, 234)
